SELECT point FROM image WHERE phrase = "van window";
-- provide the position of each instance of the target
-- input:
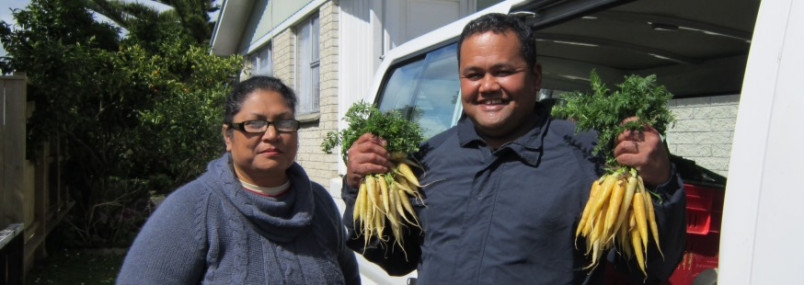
(426, 89)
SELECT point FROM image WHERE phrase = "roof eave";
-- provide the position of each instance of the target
(229, 28)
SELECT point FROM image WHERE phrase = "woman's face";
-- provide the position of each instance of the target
(262, 158)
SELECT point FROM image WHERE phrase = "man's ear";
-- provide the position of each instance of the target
(537, 74)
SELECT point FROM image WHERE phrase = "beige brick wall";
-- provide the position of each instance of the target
(321, 167)
(284, 45)
(329, 81)
(704, 130)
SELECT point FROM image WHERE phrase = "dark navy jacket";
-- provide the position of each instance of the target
(508, 216)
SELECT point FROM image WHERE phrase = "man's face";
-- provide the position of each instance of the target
(498, 87)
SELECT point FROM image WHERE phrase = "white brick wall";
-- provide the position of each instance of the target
(704, 130)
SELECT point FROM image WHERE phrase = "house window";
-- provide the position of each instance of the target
(308, 66)
(261, 61)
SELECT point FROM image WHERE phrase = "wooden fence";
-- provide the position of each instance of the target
(32, 199)
(11, 253)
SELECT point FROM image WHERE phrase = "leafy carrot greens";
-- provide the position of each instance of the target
(604, 110)
(403, 135)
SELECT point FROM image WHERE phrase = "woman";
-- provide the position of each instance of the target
(254, 217)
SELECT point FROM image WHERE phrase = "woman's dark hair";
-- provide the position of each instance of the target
(242, 89)
(501, 23)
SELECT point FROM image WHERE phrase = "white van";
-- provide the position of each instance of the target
(747, 49)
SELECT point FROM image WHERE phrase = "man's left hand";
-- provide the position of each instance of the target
(644, 150)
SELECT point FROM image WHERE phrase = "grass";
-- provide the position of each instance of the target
(72, 266)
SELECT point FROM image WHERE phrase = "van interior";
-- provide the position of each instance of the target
(695, 48)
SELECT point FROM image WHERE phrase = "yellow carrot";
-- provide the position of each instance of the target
(406, 172)
(396, 202)
(403, 185)
(359, 202)
(595, 252)
(393, 215)
(640, 217)
(587, 208)
(371, 189)
(626, 200)
(614, 207)
(410, 189)
(624, 238)
(597, 231)
(408, 208)
(367, 221)
(654, 228)
(636, 244)
(394, 220)
(605, 193)
(592, 216)
(379, 223)
(386, 204)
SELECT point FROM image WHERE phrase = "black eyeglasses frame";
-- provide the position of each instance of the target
(241, 126)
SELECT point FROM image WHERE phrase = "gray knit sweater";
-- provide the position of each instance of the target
(212, 231)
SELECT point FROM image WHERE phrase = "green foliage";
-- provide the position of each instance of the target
(71, 266)
(133, 116)
(403, 135)
(604, 110)
(191, 86)
(187, 21)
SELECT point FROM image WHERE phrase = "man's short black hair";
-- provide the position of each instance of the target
(501, 23)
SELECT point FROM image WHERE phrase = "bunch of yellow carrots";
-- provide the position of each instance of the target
(385, 198)
(619, 210)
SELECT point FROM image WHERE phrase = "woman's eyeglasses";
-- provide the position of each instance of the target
(260, 126)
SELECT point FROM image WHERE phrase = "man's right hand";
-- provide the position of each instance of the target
(366, 155)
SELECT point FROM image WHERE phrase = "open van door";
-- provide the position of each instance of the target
(762, 218)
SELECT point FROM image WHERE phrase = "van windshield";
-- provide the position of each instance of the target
(426, 89)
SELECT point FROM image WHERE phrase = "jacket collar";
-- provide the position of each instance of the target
(528, 146)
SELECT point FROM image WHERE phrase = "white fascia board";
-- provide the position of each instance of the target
(232, 19)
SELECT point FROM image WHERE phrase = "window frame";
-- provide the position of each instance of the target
(308, 65)
(257, 59)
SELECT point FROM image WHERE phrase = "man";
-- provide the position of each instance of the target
(506, 186)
